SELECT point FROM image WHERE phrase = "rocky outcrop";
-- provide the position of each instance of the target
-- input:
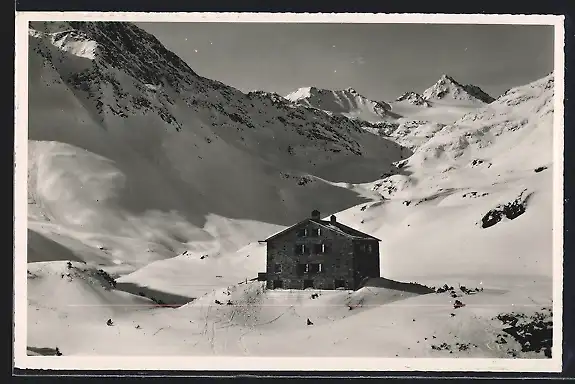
(414, 98)
(534, 333)
(510, 210)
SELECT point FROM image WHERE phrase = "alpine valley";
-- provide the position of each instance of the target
(150, 187)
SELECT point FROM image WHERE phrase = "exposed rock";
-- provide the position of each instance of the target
(414, 98)
(510, 210)
(534, 333)
(458, 304)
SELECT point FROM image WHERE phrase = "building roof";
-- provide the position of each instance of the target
(332, 226)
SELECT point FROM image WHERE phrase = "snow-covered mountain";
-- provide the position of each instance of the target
(447, 88)
(444, 102)
(133, 152)
(145, 177)
(515, 125)
(347, 102)
(420, 116)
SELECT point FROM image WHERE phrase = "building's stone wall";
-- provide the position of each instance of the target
(337, 262)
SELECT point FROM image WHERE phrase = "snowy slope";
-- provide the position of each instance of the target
(499, 154)
(451, 123)
(133, 153)
(346, 102)
(244, 320)
(518, 125)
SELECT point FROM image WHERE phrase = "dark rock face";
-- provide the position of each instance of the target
(491, 218)
(304, 180)
(511, 210)
(478, 93)
(126, 56)
(414, 98)
(458, 304)
(107, 278)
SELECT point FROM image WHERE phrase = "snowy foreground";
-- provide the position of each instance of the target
(245, 319)
(140, 245)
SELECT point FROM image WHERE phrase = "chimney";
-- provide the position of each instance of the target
(315, 214)
(332, 219)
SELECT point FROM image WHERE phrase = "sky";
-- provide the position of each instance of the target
(380, 61)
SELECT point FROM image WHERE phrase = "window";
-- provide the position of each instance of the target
(309, 268)
(319, 248)
(277, 268)
(315, 268)
(302, 232)
(369, 248)
(301, 249)
(316, 232)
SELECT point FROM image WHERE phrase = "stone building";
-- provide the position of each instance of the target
(320, 254)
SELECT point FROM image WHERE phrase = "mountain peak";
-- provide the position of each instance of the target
(301, 93)
(311, 91)
(449, 88)
(446, 77)
(111, 44)
(347, 102)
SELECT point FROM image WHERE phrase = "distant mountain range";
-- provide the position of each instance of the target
(348, 102)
